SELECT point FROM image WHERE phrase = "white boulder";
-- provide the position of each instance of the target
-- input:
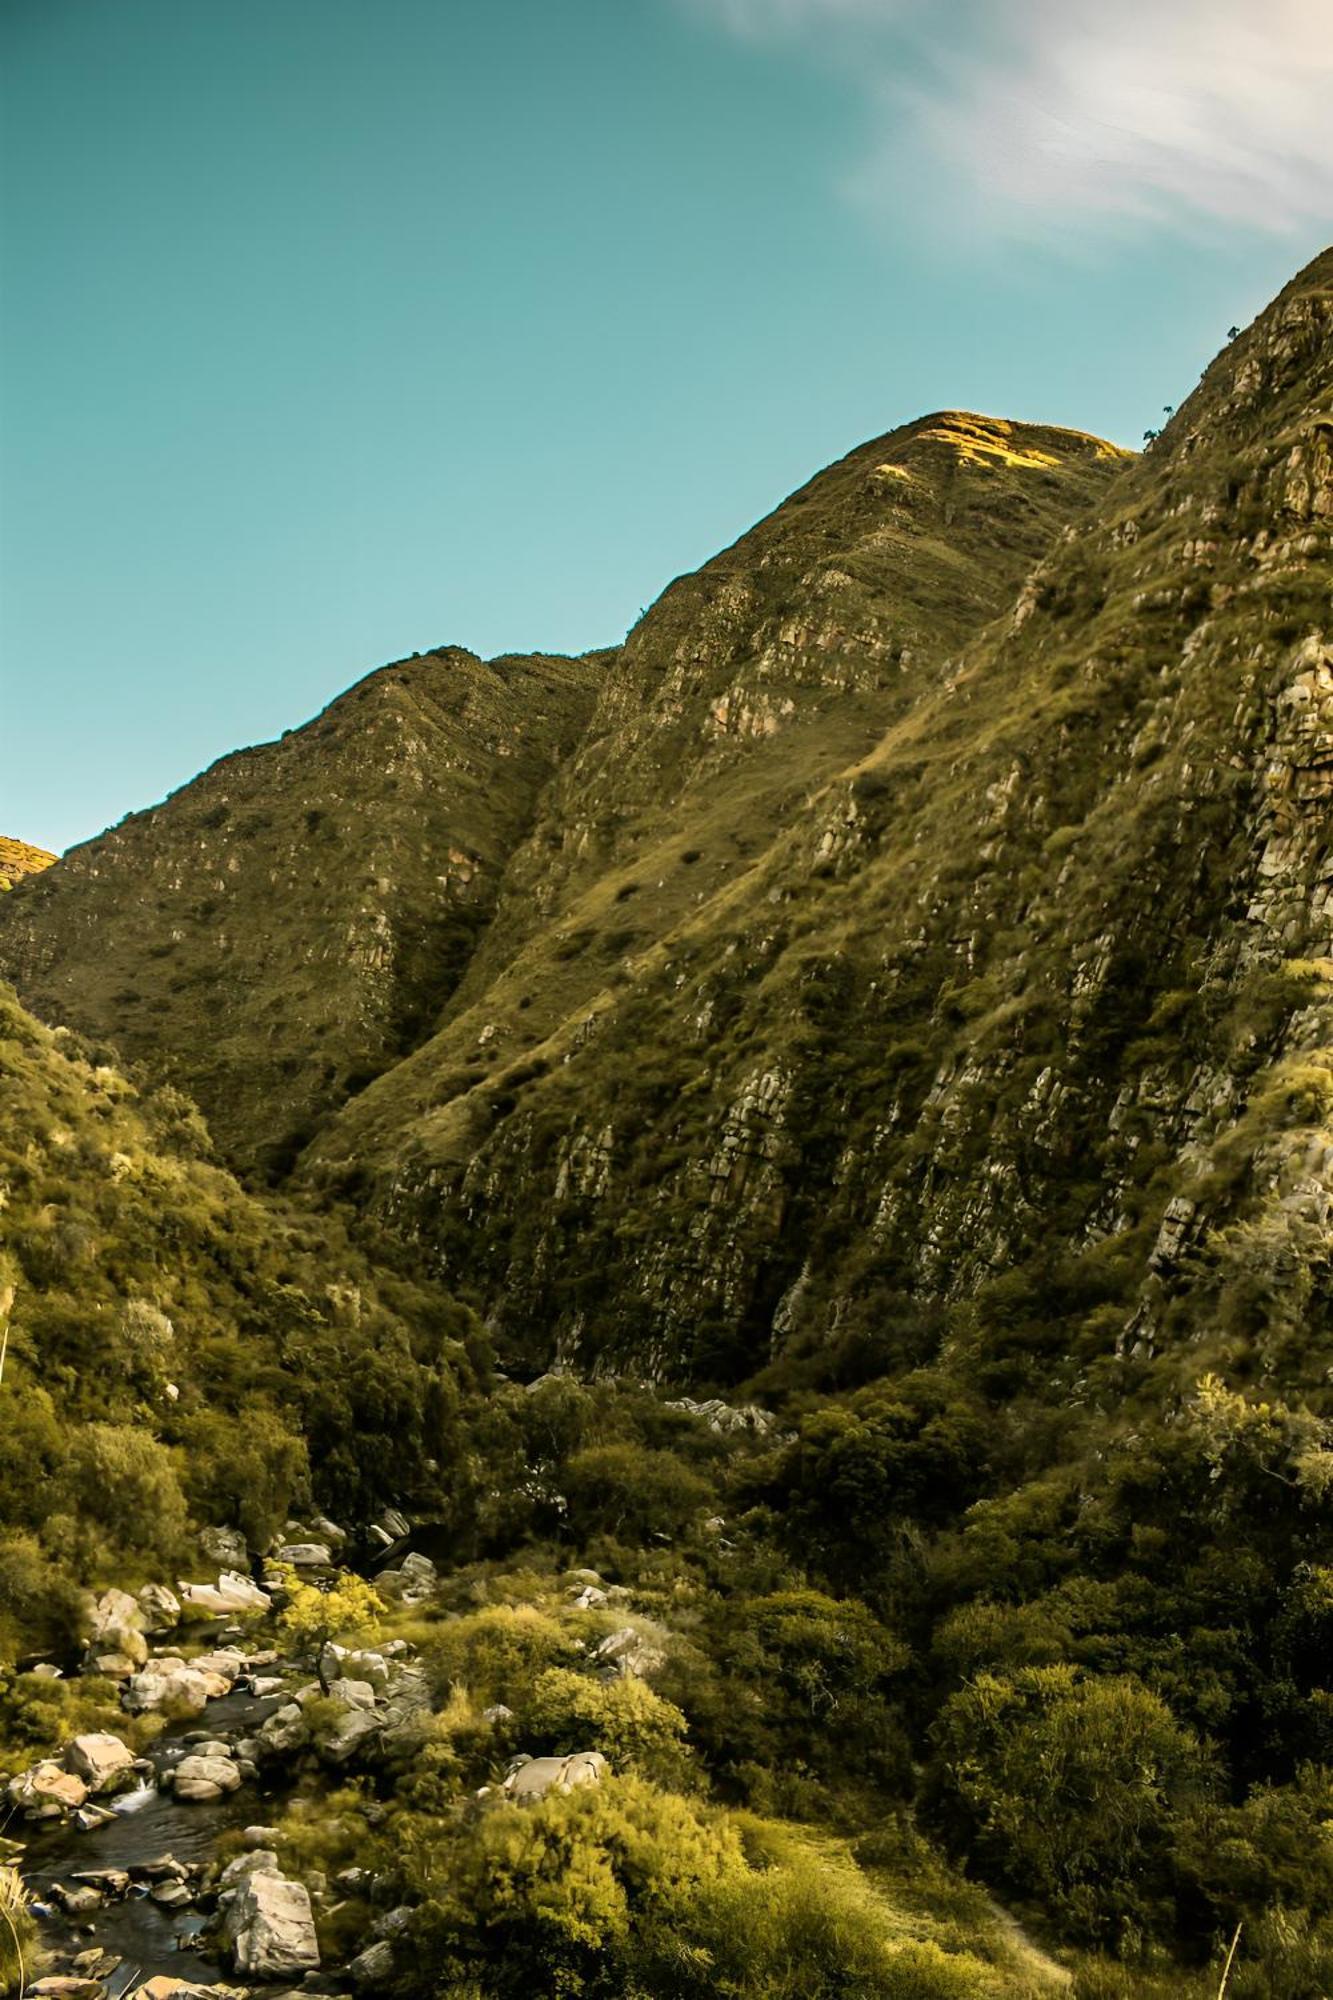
(100, 1760)
(201, 1779)
(540, 1775)
(171, 1683)
(303, 1555)
(269, 1928)
(159, 1608)
(47, 1789)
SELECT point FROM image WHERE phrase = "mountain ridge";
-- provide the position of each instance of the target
(299, 922)
(899, 985)
(944, 509)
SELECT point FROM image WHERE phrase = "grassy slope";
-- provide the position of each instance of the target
(173, 1340)
(289, 923)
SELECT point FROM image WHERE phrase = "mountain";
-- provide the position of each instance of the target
(975, 1008)
(18, 859)
(895, 1007)
(301, 911)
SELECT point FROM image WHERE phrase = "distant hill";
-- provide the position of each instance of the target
(18, 859)
(294, 920)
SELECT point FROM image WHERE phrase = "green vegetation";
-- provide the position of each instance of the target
(176, 1350)
(908, 1008)
(347, 1613)
(17, 1931)
(302, 910)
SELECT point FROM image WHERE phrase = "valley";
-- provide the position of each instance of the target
(790, 1159)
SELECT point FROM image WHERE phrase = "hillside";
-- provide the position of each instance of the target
(18, 859)
(176, 1350)
(299, 914)
(897, 1011)
(986, 1003)
(303, 912)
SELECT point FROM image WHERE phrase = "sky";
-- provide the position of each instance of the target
(331, 332)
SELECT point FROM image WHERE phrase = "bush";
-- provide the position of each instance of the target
(18, 1932)
(624, 1719)
(621, 1889)
(349, 1610)
(125, 1481)
(248, 1471)
(631, 1493)
(1064, 1785)
(39, 1603)
(497, 1654)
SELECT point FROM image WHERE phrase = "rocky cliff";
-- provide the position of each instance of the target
(922, 911)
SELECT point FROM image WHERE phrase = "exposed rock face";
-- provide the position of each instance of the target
(301, 911)
(269, 1928)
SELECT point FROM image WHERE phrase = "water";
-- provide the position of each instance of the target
(148, 1826)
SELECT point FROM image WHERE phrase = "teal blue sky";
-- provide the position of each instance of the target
(331, 331)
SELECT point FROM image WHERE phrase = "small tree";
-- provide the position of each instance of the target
(313, 1618)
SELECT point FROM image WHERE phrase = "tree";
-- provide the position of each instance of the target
(313, 1618)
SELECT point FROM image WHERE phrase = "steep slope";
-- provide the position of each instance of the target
(1003, 1012)
(286, 927)
(175, 1349)
(18, 859)
(281, 929)
(736, 699)
(750, 681)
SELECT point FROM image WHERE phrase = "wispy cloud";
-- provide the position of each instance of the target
(1046, 111)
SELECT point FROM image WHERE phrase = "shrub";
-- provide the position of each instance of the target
(497, 1654)
(18, 1932)
(247, 1471)
(621, 1889)
(38, 1601)
(124, 1480)
(635, 1728)
(631, 1493)
(348, 1610)
(1063, 1785)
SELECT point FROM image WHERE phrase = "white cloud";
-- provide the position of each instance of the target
(1176, 111)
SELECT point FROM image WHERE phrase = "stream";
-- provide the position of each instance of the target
(150, 1826)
